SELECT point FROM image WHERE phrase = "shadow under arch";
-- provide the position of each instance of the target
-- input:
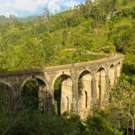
(112, 65)
(84, 93)
(7, 96)
(101, 84)
(101, 68)
(33, 94)
(63, 94)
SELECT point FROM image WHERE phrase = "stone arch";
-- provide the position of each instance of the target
(112, 75)
(100, 68)
(10, 86)
(39, 91)
(84, 92)
(7, 95)
(83, 72)
(100, 84)
(59, 74)
(33, 77)
(63, 93)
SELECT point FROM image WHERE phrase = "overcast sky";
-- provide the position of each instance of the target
(23, 8)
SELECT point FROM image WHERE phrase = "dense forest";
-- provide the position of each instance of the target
(88, 31)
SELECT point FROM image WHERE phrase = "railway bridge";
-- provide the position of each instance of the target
(81, 85)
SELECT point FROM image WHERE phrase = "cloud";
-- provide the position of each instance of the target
(58, 5)
(30, 7)
(14, 6)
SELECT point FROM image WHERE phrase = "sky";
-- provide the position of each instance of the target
(24, 8)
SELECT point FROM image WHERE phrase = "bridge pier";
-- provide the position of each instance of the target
(75, 97)
(94, 93)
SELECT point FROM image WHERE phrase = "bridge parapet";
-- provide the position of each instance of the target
(110, 59)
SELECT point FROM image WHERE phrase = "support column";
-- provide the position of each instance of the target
(75, 96)
(107, 89)
(94, 91)
(115, 75)
(108, 81)
(17, 97)
(75, 90)
(49, 98)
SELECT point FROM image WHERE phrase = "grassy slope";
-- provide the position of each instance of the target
(65, 38)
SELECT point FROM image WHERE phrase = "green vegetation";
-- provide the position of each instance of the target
(36, 123)
(90, 31)
(103, 27)
(68, 37)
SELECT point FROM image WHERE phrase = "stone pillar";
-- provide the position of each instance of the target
(74, 75)
(112, 75)
(85, 95)
(42, 95)
(94, 91)
(17, 86)
(115, 75)
(118, 70)
(49, 97)
(103, 86)
(108, 85)
(107, 89)
(66, 95)
(75, 95)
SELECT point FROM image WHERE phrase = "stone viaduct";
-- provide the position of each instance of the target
(83, 85)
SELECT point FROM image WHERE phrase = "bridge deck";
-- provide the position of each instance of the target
(59, 67)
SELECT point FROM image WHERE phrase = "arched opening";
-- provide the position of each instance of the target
(6, 98)
(112, 75)
(84, 93)
(63, 94)
(33, 95)
(101, 85)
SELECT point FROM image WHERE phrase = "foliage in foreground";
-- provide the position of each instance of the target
(36, 123)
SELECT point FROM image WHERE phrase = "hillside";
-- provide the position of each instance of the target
(70, 36)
